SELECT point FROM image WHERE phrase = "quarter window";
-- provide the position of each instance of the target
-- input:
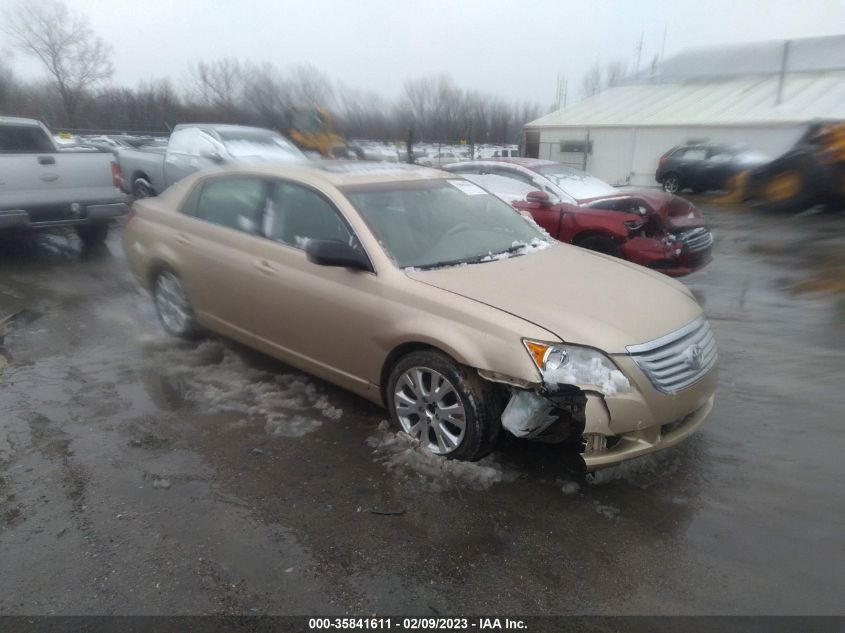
(295, 215)
(232, 202)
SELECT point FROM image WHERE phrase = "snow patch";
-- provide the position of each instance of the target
(399, 452)
(216, 379)
(519, 248)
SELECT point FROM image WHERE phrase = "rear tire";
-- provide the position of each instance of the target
(671, 183)
(142, 189)
(93, 235)
(173, 307)
(451, 410)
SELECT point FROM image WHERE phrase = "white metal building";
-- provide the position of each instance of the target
(760, 94)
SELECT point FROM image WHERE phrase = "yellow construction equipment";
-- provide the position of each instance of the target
(311, 129)
(811, 173)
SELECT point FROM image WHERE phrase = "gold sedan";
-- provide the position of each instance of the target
(424, 293)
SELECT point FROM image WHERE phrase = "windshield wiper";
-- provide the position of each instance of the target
(454, 262)
(478, 259)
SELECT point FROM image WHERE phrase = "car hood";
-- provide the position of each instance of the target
(675, 212)
(580, 296)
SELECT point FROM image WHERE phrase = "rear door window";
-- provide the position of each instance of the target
(235, 203)
(295, 214)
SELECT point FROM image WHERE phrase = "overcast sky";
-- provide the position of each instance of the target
(511, 48)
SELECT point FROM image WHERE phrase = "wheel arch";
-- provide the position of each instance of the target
(137, 175)
(403, 349)
(156, 267)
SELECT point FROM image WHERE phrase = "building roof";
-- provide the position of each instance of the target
(744, 100)
(733, 84)
(751, 58)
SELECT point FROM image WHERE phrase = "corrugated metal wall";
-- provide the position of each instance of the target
(629, 155)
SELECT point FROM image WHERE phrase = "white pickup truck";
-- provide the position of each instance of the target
(43, 187)
(147, 171)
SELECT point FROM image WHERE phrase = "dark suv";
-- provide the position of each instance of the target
(704, 166)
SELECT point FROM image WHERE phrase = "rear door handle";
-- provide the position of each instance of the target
(46, 160)
(265, 267)
(183, 239)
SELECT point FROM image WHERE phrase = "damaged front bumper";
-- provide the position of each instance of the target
(611, 428)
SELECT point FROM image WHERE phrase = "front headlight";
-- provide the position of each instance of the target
(585, 367)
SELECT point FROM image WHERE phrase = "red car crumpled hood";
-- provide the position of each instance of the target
(676, 212)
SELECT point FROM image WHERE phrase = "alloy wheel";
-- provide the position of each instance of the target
(671, 184)
(429, 409)
(172, 304)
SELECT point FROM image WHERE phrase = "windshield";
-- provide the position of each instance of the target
(576, 183)
(259, 143)
(443, 223)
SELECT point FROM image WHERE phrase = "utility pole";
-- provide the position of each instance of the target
(561, 92)
(639, 50)
(783, 62)
(557, 93)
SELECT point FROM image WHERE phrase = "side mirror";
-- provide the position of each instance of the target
(336, 253)
(212, 155)
(539, 197)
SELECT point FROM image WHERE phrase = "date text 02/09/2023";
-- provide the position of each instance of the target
(415, 624)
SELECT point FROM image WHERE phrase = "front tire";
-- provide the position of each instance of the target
(173, 307)
(451, 410)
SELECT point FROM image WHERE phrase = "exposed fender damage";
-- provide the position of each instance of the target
(545, 416)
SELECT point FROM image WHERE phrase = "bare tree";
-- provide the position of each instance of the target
(267, 96)
(75, 58)
(8, 88)
(591, 83)
(616, 71)
(310, 87)
(218, 85)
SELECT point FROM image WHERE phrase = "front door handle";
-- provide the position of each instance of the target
(46, 160)
(183, 239)
(265, 267)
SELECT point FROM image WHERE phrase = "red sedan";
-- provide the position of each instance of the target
(651, 228)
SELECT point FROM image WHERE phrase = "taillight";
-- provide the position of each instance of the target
(662, 161)
(116, 178)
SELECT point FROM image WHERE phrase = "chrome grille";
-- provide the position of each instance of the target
(678, 360)
(697, 239)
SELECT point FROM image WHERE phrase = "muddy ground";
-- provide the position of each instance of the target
(140, 475)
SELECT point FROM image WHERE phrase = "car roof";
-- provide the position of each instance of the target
(221, 127)
(340, 173)
(528, 163)
(531, 164)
